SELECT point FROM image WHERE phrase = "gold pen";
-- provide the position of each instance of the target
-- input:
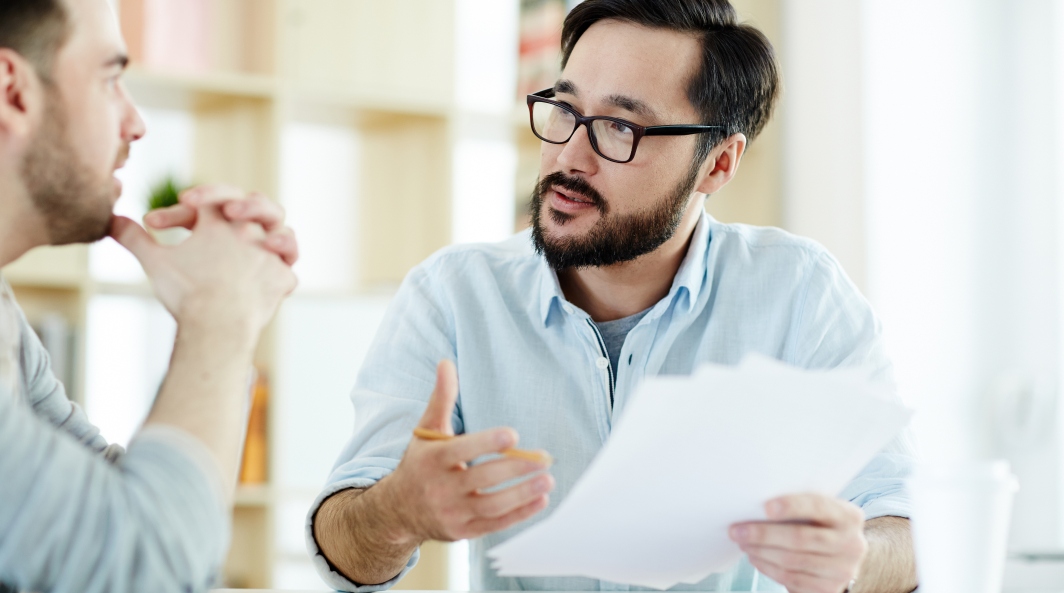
(533, 456)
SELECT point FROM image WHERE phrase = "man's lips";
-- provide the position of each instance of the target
(572, 196)
(562, 202)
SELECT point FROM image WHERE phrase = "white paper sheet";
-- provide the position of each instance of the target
(691, 456)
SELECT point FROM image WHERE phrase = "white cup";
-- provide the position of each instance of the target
(960, 525)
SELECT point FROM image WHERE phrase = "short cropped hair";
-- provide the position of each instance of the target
(738, 83)
(36, 29)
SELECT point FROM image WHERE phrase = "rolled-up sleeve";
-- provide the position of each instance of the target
(390, 395)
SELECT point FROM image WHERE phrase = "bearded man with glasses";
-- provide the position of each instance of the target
(623, 275)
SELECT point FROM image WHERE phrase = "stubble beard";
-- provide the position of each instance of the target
(613, 239)
(75, 205)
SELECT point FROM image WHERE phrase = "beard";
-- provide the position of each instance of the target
(74, 203)
(613, 239)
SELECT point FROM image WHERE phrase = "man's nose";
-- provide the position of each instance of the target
(577, 155)
(133, 127)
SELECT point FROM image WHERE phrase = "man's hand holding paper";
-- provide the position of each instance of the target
(784, 430)
(811, 543)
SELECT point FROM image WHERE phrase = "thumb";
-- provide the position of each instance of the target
(441, 404)
(134, 238)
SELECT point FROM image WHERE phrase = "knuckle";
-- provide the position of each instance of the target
(794, 581)
(858, 549)
(490, 506)
(789, 559)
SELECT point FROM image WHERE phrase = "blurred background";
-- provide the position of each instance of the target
(921, 141)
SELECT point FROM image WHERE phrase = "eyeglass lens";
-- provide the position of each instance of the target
(554, 124)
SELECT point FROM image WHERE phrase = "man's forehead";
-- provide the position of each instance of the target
(616, 62)
(94, 31)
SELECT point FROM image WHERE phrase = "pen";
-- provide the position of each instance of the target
(534, 456)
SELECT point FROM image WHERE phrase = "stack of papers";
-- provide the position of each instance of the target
(692, 455)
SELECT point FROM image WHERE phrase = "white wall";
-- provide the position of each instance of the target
(944, 201)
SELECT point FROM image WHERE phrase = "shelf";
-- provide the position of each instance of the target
(181, 91)
(258, 495)
(220, 84)
(62, 268)
(372, 103)
(137, 289)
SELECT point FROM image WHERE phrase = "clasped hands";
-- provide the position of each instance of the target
(232, 271)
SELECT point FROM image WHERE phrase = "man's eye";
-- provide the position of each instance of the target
(620, 128)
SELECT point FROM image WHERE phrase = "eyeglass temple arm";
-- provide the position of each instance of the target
(678, 130)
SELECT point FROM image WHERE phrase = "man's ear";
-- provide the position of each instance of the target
(721, 165)
(20, 94)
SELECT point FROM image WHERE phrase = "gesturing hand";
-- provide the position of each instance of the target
(237, 206)
(810, 544)
(441, 497)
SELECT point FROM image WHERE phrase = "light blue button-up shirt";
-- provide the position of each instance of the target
(529, 359)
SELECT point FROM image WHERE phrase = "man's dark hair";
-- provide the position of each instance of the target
(36, 29)
(738, 82)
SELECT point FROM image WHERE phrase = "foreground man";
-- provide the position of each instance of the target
(75, 513)
(629, 278)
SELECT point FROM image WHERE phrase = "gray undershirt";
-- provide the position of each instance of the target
(614, 333)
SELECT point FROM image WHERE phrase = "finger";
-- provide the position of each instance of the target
(134, 238)
(283, 242)
(498, 504)
(479, 527)
(211, 193)
(255, 208)
(471, 446)
(794, 581)
(818, 565)
(180, 215)
(814, 508)
(498, 471)
(210, 215)
(437, 415)
(786, 536)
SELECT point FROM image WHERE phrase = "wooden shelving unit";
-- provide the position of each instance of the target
(272, 63)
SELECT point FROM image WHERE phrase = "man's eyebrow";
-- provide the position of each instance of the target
(633, 105)
(622, 101)
(565, 86)
(120, 60)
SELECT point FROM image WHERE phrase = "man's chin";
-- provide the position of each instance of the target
(83, 230)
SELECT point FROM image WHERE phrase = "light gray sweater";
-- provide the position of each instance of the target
(79, 515)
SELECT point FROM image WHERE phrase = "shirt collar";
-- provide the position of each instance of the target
(690, 276)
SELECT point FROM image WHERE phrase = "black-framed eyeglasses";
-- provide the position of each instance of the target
(612, 138)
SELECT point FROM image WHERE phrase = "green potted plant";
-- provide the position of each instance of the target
(163, 195)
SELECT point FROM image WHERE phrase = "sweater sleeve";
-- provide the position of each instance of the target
(48, 397)
(76, 516)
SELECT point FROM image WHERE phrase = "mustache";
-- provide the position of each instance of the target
(576, 185)
(123, 156)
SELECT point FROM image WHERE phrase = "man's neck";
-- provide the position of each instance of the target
(621, 290)
(21, 226)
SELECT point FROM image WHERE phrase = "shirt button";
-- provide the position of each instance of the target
(602, 362)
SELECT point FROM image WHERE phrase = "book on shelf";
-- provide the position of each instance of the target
(169, 35)
(58, 337)
(539, 56)
(254, 468)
